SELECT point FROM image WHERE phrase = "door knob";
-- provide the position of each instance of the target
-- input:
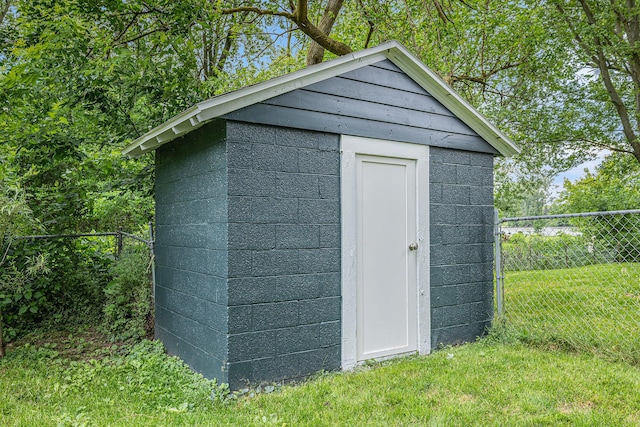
(413, 247)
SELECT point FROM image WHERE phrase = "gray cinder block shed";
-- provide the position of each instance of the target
(336, 214)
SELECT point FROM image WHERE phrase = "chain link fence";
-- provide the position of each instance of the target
(572, 280)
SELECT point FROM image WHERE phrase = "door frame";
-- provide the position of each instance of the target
(350, 146)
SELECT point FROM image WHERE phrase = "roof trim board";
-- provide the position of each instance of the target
(207, 110)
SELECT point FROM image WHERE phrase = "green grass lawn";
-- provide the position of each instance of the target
(484, 384)
(594, 308)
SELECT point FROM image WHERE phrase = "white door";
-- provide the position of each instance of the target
(386, 267)
(385, 254)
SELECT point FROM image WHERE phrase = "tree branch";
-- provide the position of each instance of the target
(258, 11)
(316, 51)
(369, 21)
(4, 9)
(614, 96)
(143, 35)
(300, 18)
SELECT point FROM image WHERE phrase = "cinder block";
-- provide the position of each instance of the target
(251, 183)
(275, 262)
(443, 296)
(199, 310)
(329, 187)
(330, 236)
(443, 254)
(458, 334)
(275, 315)
(298, 365)
(319, 260)
(252, 236)
(460, 273)
(249, 132)
(328, 142)
(274, 210)
(240, 374)
(435, 234)
(298, 287)
(481, 159)
(319, 162)
(481, 196)
(459, 234)
(469, 175)
(205, 261)
(239, 209)
(442, 214)
(200, 361)
(473, 292)
(252, 290)
(192, 212)
(239, 155)
(252, 345)
(330, 334)
(240, 319)
(298, 338)
(297, 185)
(274, 158)
(204, 286)
(329, 284)
(455, 194)
(436, 276)
(469, 216)
(458, 315)
(435, 193)
(486, 177)
(319, 310)
(197, 334)
(240, 263)
(456, 157)
(296, 138)
(435, 154)
(437, 317)
(441, 173)
(319, 211)
(468, 254)
(292, 236)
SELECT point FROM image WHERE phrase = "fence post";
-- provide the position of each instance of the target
(153, 262)
(498, 254)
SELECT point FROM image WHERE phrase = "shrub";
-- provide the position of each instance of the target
(127, 309)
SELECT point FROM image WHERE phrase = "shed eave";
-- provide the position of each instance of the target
(209, 109)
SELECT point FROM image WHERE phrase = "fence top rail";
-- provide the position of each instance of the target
(573, 215)
(63, 236)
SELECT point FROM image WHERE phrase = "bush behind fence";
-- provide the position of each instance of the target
(96, 279)
(578, 286)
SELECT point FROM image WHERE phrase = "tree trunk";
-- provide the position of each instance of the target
(316, 52)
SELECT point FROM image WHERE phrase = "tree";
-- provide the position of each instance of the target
(614, 186)
(606, 39)
(15, 218)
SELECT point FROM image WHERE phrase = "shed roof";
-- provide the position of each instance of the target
(207, 110)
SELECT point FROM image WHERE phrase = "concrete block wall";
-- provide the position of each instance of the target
(191, 254)
(461, 186)
(284, 252)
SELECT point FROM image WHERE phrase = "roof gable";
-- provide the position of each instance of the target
(423, 77)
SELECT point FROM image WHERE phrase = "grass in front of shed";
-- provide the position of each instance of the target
(487, 383)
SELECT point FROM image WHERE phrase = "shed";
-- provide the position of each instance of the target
(340, 213)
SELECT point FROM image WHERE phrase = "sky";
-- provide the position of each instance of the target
(576, 173)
